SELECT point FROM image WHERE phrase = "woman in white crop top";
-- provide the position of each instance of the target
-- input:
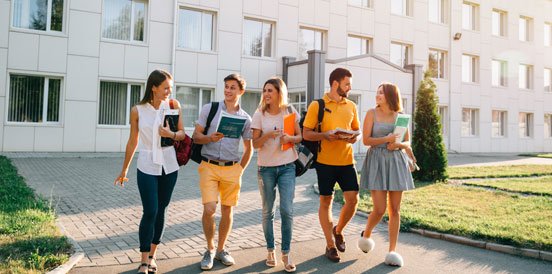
(157, 166)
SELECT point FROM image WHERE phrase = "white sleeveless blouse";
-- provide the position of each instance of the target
(153, 158)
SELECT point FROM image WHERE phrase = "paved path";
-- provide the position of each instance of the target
(103, 220)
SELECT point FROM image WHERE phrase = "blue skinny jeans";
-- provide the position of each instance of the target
(283, 178)
(155, 192)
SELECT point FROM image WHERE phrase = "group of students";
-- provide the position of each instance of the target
(385, 171)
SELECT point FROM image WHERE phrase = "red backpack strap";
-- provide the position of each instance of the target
(171, 103)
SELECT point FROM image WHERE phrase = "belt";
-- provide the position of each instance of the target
(219, 163)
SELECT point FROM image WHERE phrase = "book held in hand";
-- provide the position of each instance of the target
(345, 134)
(401, 126)
(231, 126)
(289, 129)
(170, 118)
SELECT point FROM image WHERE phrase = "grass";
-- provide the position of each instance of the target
(499, 171)
(476, 213)
(535, 186)
(540, 155)
(29, 240)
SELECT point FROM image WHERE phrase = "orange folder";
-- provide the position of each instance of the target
(289, 129)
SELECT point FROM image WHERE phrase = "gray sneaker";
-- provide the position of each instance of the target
(225, 258)
(207, 261)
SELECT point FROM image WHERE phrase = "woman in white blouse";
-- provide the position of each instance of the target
(157, 166)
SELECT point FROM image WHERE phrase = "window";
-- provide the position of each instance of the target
(357, 46)
(34, 99)
(124, 19)
(404, 104)
(195, 29)
(191, 100)
(438, 11)
(360, 3)
(310, 39)
(547, 34)
(436, 63)
(499, 22)
(498, 73)
(46, 15)
(400, 54)
(443, 114)
(257, 38)
(525, 26)
(470, 119)
(547, 80)
(298, 100)
(401, 7)
(525, 76)
(525, 125)
(250, 101)
(469, 68)
(470, 15)
(116, 100)
(547, 125)
(499, 123)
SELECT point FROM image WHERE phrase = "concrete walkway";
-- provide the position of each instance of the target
(103, 221)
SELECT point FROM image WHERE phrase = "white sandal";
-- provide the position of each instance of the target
(289, 267)
(271, 259)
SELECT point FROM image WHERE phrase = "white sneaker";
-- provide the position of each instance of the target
(225, 258)
(207, 261)
(394, 259)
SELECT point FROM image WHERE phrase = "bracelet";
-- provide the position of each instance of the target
(174, 137)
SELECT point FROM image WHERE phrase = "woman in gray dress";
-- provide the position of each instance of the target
(386, 170)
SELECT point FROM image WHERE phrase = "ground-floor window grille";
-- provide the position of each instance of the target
(34, 99)
(116, 100)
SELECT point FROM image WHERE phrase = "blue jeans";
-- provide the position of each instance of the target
(155, 192)
(283, 178)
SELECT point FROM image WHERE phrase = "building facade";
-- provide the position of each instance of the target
(71, 70)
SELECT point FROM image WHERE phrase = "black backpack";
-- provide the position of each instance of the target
(196, 148)
(314, 146)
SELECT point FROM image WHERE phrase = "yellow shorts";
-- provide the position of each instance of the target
(214, 179)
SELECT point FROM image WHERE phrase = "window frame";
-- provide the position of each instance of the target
(409, 54)
(442, 8)
(46, 77)
(131, 39)
(442, 111)
(202, 89)
(442, 55)
(272, 38)
(474, 68)
(528, 37)
(549, 31)
(528, 76)
(407, 8)
(213, 28)
(547, 130)
(473, 121)
(502, 123)
(547, 71)
(474, 16)
(502, 73)
(368, 47)
(48, 31)
(369, 4)
(323, 41)
(503, 23)
(127, 103)
(528, 130)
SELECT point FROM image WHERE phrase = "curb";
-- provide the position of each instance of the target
(78, 254)
(523, 252)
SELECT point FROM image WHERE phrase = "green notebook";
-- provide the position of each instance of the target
(401, 125)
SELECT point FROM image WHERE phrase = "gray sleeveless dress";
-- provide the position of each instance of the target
(385, 169)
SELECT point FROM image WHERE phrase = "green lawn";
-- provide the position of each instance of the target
(542, 155)
(476, 213)
(537, 186)
(29, 240)
(499, 171)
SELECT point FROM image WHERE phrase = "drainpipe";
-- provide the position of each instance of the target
(417, 76)
(316, 73)
(175, 4)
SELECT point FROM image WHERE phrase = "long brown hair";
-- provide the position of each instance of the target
(281, 88)
(156, 78)
(392, 96)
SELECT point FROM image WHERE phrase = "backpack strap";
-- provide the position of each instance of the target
(212, 112)
(321, 107)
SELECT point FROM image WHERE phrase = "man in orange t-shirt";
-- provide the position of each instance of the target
(335, 161)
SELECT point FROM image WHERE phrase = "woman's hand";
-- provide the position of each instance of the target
(285, 138)
(391, 138)
(393, 146)
(121, 179)
(274, 133)
(165, 131)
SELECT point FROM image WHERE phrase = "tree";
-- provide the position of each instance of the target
(427, 140)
